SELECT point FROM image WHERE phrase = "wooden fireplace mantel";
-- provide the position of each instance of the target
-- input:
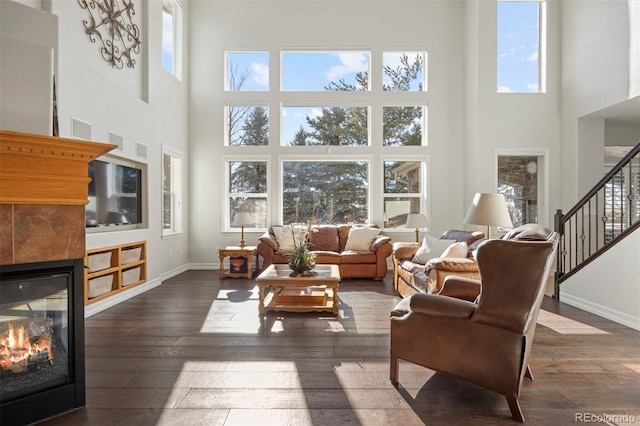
(39, 169)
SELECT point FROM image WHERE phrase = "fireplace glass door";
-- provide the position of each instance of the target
(34, 334)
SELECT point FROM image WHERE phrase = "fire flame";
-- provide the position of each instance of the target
(16, 349)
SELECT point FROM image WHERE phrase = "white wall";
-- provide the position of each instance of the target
(610, 286)
(595, 74)
(596, 47)
(437, 26)
(145, 105)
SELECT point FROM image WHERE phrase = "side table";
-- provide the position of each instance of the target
(247, 252)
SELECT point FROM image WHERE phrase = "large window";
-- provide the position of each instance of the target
(172, 37)
(521, 47)
(325, 192)
(171, 192)
(325, 101)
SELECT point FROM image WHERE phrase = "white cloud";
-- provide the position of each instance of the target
(350, 63)
(533, 87)
(315, 113)
(260, 73)
(533, 57)
(509, 52)
(504, 89)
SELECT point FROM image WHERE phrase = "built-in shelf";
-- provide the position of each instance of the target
(113, 269)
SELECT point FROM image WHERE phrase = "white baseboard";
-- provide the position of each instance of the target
(204, 266)
(603, 311)
(110, 301)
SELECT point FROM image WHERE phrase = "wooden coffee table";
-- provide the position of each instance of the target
(314, 291)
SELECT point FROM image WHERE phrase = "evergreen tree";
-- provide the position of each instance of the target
(256, 128)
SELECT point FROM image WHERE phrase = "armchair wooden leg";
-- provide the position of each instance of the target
(516, 412)
(393, 369)
(528, 374)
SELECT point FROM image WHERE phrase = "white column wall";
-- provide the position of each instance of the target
(145, 105)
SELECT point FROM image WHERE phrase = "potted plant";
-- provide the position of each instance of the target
(301, 258)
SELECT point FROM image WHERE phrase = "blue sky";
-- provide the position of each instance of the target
(518, 46)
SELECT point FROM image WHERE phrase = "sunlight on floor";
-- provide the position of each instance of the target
(563, 325)
(634, 367)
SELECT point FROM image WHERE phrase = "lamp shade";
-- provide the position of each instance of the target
(417, 220)
(242, 219)
(488, 209)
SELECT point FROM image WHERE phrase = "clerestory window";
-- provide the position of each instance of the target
(172, 37)
(521, 46)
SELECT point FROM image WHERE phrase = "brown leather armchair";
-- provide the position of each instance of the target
(487, 343)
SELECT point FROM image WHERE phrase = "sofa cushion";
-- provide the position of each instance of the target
(349, 256)
(360, 238)
(328, 257)
(431, 248)
(324, 238)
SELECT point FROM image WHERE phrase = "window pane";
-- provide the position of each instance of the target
(171, 194)
(403, 71)
(402, 177)
(320, 71)
(248, 126)
(402, 125)
(396, 210)
(518, 47)
(168, 47)
(325, 192)
(256, 206)
(337, 126)
(246, 177)
(247, 71)
(167, 196)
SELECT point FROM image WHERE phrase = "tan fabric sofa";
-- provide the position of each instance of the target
(328, 242)
(410, 277)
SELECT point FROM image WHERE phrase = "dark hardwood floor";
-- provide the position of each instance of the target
(194, 352)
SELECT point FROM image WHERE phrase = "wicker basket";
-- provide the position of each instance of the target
(131, 255)
(99, 261)
(100, 285)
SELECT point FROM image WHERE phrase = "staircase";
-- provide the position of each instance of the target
(604, 216)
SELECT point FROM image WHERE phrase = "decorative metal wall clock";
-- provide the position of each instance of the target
(110, 21)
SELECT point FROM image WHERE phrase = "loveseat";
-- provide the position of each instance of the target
(359, 251)
(414, 275)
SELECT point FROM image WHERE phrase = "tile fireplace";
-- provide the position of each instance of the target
(43, 193)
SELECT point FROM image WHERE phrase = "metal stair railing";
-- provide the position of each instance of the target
(604, 216)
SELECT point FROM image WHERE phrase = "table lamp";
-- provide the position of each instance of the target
(488, 209)
(417, 220)
(243, 219)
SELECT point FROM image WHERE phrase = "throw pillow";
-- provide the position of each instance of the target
(431, 248)
(284, 236)
(456, 250)
(360, 238)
